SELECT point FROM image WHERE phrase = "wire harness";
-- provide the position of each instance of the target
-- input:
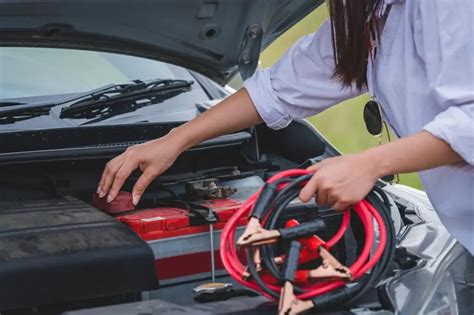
(277, 257)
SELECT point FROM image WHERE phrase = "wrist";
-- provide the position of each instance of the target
(379, 165)
(177, 140)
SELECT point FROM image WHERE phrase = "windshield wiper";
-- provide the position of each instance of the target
(125, 98)
(6, 119)
(88, 103)
(10, 103)
(18, 107)
(22, 111)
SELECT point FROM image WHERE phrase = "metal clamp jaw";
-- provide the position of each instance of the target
(330, 269)
(256, 235)
(289, 303)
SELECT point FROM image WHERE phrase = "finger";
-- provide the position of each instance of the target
(309, 189)
(120, 177)
(108, 175)
(321, 197)
(332, 200)
(105, 172)
(142, 183)
(340, 206)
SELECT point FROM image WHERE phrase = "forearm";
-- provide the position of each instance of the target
(234, 113)
(415, 153)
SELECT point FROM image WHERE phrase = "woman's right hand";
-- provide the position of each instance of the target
(153, 158)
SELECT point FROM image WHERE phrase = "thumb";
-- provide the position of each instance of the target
(141, 185)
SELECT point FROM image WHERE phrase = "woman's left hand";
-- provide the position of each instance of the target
(341, 181)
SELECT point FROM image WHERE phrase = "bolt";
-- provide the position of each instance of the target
(253, 33)
(245, 59)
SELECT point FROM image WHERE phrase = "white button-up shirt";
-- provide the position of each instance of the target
(423, 76)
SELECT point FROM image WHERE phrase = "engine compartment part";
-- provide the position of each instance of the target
(180, 235)
(172, 218)
(59, 250)
(218, 291)
(297, 286)
(209, 188)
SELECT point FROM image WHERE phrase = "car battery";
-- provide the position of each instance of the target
(165, 222)
(179, 236)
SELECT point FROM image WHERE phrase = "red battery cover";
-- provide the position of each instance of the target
(122, 203)
(158, 222)
(166, 222)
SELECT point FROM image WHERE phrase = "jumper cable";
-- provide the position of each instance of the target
(297, 288)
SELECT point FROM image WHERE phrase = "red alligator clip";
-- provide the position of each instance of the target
(310, 246)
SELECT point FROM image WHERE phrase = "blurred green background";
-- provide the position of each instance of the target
(342, 125)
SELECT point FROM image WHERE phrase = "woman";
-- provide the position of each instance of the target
(421, 70)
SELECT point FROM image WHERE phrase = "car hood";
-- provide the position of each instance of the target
(214, 37)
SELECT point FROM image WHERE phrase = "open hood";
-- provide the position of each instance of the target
(213, 37)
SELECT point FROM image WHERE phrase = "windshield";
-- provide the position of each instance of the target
(26, 72)
(32, 75)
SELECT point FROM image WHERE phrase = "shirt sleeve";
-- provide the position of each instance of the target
(445, 42)
(300, 84)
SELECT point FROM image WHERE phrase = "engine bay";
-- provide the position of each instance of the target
(174, 230)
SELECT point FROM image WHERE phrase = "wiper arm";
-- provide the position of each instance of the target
(10, 103)
(125, 98)
(20, 111)
(10, 118)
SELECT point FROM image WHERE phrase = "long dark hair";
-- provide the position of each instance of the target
(350, 39)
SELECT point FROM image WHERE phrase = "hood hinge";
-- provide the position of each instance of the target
(250, 52)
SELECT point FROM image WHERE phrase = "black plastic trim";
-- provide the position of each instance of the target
(91, 142)
(71, 251)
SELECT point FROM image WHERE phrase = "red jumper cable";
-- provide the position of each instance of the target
(330, 276)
